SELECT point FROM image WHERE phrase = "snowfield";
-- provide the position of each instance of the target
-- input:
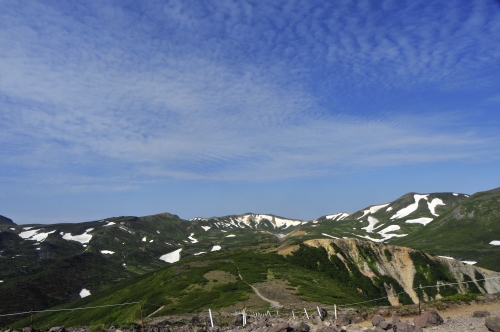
(371, 224)
(206, 228)
(172, 257)
(216, 248)
(414, 206)
(373, 209)
(337, 216)
(424, 221)
(82, 238)
(495, 243)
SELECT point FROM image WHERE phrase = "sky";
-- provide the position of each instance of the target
(209, 108)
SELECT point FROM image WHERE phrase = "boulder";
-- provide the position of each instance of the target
(282, 327)
(342, 320)
(480, 313)
(328, 329)
(324, 313)
(405, 327)
(356, 320)
(57, 329)
(395, 319)
(301, 327)
(385, 326)
(493, 323)
(427, 319)
(491, 297)
(239, 320)
(377, 319)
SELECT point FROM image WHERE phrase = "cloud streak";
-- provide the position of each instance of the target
(236, 91)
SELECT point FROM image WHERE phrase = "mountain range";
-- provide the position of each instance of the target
(48, 265)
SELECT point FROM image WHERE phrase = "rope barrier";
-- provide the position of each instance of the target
(73, 309)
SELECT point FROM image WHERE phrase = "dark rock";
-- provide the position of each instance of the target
(403, 327)
(282, 327)
(57, 329)
(493, 323)
(385, 325)
(324, 313)
(480, 313)
(196, 320)
(377, 319)
(239, 320)
(328, 329)
(429, 318)
(301, 327)
(342, 320)
(356, 320)
(384, 312)
(491, 297)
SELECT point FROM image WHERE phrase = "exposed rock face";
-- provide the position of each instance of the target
(400, 266)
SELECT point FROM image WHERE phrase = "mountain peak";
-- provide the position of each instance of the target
(6, 221)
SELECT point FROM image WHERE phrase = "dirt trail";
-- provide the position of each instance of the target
(274, 304)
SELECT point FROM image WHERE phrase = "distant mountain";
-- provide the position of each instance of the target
(6, 221)
(469, 231)
(47, 265)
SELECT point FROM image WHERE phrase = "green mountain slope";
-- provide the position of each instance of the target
(315, 272)
(464, 231)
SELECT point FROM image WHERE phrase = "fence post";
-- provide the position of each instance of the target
(293, 314)
(335, 309)
(211, 320)
(319, 312)
(306, 313)
(142, 322)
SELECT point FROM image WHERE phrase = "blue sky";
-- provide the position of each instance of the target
(203, 108)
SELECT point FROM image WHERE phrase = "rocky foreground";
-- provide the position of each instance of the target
(477, 317)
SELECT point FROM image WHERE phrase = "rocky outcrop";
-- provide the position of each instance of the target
(493, 324)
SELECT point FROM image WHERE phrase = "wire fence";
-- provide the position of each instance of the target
(255, 313)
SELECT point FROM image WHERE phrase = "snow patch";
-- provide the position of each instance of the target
(369, 238)
(373, 209)
(432, 205)
(424, 221)
(172, 257)
(126, 230)
(447, 257)
(216, 248)
(410, 208)
(389, 208)
(33, 235)
(372, 222)
(200, 253)
(469, 262)
(206, 228)
(82, 238)
(495, 243)
(144, 239)
(193, 240)
(109, 224)
(84, 293)
(107, 252)
(337, 216)
(230, 235)
(26, 228)
(390, 229)
(455, 194)
(333, 237)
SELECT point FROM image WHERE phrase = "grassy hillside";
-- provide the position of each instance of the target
(464, 232)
